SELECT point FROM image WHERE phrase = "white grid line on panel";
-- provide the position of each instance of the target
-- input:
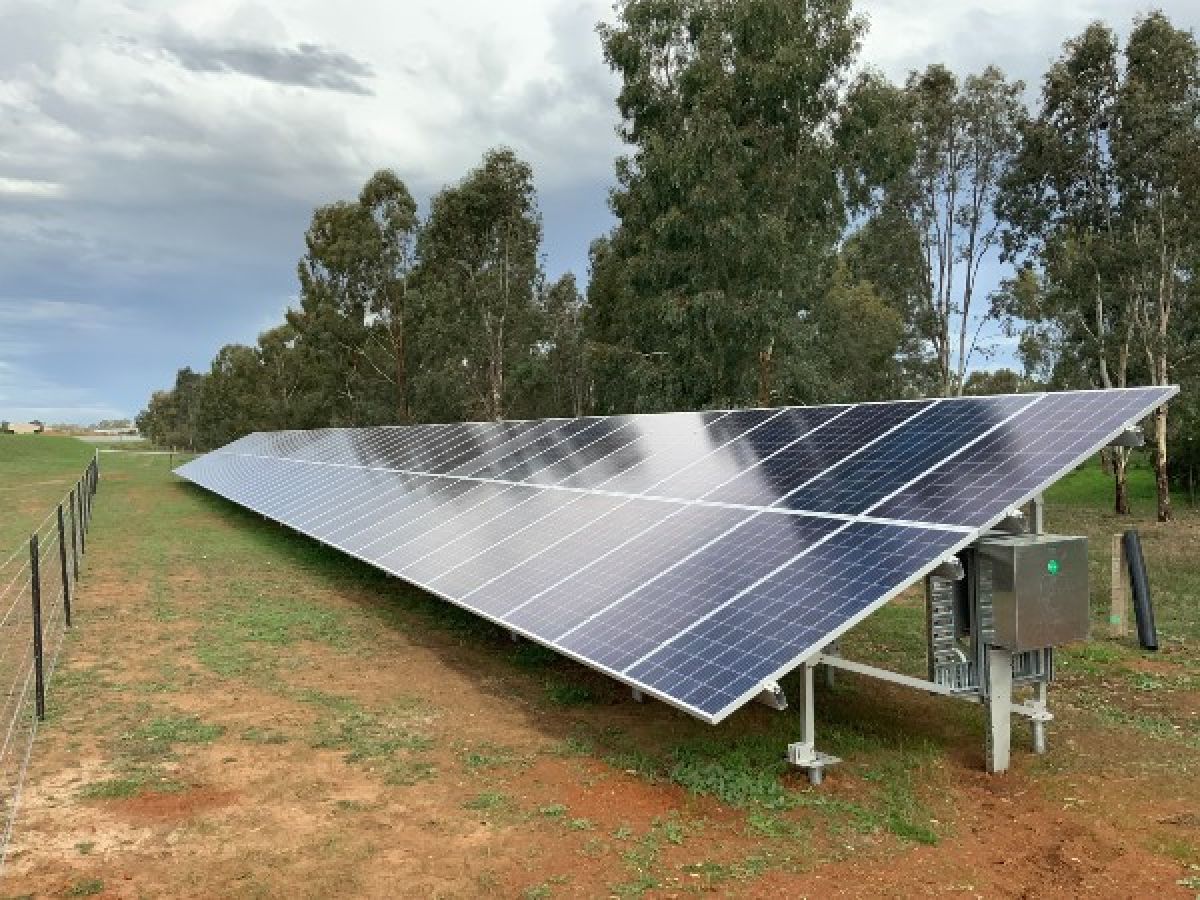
(584, 492)
(847, 520)
(674, 701)
(683, 505)
(836, 531)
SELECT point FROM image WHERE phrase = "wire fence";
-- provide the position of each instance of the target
(37, 581)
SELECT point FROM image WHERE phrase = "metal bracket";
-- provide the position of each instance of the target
(1132, 436)
(772, 695)
(951, 568)
(803, 753)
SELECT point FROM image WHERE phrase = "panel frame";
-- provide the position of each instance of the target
(806, 656)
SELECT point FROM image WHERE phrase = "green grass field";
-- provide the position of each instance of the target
(219, 655)
(36, 471)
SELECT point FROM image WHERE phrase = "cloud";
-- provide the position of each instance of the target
(27, 394)
(160, 162)
(16, 314)
(305, 65)
(26, 187)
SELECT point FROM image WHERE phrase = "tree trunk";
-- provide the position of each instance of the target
(1160, 464)
(401, 371)
(1120, 467)
(765, 363)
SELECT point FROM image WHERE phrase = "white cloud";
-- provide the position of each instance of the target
(30, 188)
(160, 161)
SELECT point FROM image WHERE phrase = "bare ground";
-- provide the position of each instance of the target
(365, 749)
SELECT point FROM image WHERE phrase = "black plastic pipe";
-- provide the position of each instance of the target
(1143, 609)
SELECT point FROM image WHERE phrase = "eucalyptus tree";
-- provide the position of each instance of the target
(391, 216)
(562, 349)
(1157, 135)
(1061, 202)
(729, 202)
(964, 135)
(480, 273)
(354, 290)
(1104, 198)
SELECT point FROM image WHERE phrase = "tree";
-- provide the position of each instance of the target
(964, 136)
(231, 402)
(480, 273)
(1158, 131)
(729, 202)
(354, 292)
(1103, 196)
(847, 345)
(392, 213)
(169, 420)
(562, 349)
(1000, 381)
(1061, 201)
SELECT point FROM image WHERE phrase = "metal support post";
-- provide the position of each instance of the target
(1037, 722)
(35, 592)
(74, 537)
(82, 520)
(804, 754)
(1038, 503)
(828, 672)
(638, 696)
(999, 704)
(62, 559)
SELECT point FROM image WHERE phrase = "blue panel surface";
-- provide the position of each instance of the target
(858, 482)
(784, 465)
(692, 555)
(1032, 450)
(713, 663)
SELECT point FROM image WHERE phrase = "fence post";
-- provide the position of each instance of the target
(74, 537)
(82, 521)
(62, 558)
(1118, 615)
(39, 684)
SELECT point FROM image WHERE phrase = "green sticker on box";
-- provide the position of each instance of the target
(1052, 567)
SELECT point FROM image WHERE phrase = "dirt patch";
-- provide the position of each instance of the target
(174, 806)
(239, 713)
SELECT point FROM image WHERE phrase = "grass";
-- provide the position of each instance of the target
(36, 472)
(365, 736)
(488, 801)
(168, 730)
(86, 887)
(243, 606)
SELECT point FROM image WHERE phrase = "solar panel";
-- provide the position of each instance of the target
(694, 556)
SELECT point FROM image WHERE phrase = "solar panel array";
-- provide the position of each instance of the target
(695, 556)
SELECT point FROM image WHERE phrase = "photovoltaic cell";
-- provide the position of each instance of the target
(858, 482)
(695, 556)
(715, 661)
(782, 469)
(1015, 461)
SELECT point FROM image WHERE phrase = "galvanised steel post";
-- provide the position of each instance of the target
(74, 537)
(62, 558)
(39, 684)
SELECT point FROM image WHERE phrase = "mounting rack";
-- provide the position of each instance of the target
(984, 636)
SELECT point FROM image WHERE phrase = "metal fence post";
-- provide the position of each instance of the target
(74, 538)
(39, 684)
(82, 521)
(62, 558)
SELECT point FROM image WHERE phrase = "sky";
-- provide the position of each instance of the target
(159, 162)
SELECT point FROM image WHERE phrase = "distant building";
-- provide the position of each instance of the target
(25, 428)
